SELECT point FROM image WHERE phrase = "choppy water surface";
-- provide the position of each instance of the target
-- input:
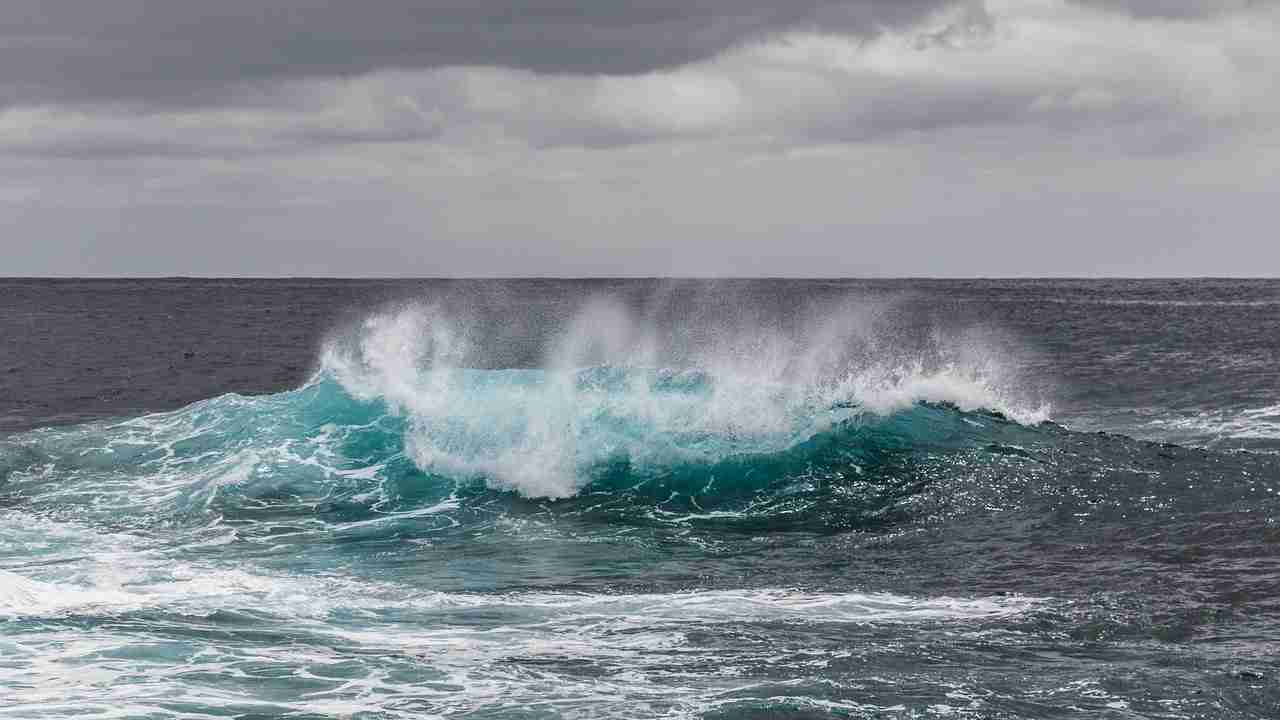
(640, 499)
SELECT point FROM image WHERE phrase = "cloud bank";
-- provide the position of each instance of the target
(220, 98)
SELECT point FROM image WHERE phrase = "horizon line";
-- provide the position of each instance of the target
(693, 278)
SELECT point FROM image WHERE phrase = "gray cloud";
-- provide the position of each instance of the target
(953, 203)
(1174, 8)
(1165, 85)
(167, 51)
(698, 137)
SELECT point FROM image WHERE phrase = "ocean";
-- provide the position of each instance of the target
(639, 499)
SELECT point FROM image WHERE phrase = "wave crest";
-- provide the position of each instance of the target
(540, 432)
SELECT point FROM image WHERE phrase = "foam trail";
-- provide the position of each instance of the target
(193, 589)
(1214, 427)
(18, 594)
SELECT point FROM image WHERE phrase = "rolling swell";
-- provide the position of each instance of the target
(320, 478)
(399, 435)
(319, 452)
(822, 524)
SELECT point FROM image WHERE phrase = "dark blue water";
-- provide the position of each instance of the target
(632, 499)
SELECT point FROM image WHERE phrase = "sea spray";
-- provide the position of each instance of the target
(786, 508)
(614, 389)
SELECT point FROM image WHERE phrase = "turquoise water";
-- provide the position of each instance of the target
(779, 532)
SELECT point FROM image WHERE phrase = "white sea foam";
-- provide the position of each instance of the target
(395, 649)
(352, 656)
(220, 453)
(767, 604)
(611, 388)
(18, 594)
(129, 584)
(75, 569)
(1212, 426)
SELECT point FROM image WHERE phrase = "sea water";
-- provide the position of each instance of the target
(782, 499)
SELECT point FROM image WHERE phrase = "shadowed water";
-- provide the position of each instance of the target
(648, 500)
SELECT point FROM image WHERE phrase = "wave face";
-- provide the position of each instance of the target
(394, 422)
(648, 442)
(548, 432)
(726, 521)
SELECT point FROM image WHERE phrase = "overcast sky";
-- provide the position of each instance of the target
(628, 137)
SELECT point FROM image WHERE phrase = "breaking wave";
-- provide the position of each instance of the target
(398, 422)
(607, 394)
(719, 517)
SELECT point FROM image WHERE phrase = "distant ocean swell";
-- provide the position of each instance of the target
(641, 524)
